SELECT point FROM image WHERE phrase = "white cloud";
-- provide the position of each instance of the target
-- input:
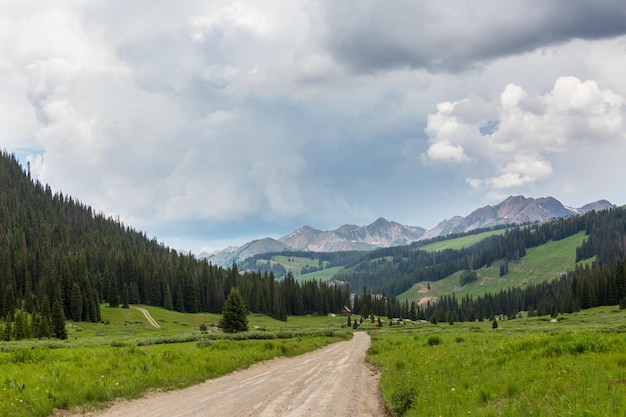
(522, 171)
(307, 111)
(444, 151)
(527, 130)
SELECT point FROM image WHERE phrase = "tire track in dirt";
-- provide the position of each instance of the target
(148, 317)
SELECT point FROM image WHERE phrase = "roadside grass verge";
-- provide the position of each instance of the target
(530, 366)
(36, 380)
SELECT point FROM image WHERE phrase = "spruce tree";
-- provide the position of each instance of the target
(76, 303)
(234, 317)
(45, 326)
(125, 297)
(167, 298)
(179, 304)
(155, 290)
(58, 320)
(114, 294)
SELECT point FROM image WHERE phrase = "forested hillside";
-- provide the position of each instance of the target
(393, 270)
(59, 260)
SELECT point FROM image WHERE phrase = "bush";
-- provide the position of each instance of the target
(467, 277)
(402, 400)
(434, 340)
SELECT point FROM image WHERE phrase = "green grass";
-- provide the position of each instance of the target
(323, 275)
(525, 367)
(295, 263)
(126, 357)
(461, 242)
(543, 263)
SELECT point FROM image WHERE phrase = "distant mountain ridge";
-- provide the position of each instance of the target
(381, 233)
(515, 210)
(384, 233)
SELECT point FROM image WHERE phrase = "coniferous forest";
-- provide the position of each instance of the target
(59, 260)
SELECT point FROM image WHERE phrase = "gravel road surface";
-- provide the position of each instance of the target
(334, 381)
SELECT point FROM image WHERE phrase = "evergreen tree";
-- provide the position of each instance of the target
(168, 304)
(7, 331)
(114, 294)
(125, 297)
(234, 317)
(76, 303)
(179, 303)
(45, 326)
(133, 293)
(58, 320)
(10, 301)
(155, 290)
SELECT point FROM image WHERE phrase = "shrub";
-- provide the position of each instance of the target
(402, 399)
(434, 340)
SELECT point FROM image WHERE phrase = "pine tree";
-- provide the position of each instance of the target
(167, 298)
(10, 301)
(155, 290)
(125, 296)
(76, 303)
(234, 317)
(58, 320)
(45, 326)
(114, 294)
(179, 304)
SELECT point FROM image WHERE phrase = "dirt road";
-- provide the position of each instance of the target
(148, 317)
(329, 382)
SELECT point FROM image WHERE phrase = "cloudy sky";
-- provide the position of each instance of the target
(208, 123)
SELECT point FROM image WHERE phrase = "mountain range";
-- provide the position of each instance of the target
(384, 233)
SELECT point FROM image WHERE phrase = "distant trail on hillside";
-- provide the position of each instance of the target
(148, 317)
(329, 382)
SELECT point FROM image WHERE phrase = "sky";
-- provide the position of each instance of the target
(212, 123)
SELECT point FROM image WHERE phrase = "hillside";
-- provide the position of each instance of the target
(59, 260)
(542, 263)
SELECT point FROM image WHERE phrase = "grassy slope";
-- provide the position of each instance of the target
(542, 263)
(296, 263)
(323, 275)
(461, 242)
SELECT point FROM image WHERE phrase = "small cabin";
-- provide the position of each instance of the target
(345, 311)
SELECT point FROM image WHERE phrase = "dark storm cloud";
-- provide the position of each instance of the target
(447, 36)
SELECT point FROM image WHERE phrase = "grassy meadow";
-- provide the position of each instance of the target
(461, 242)
(125, 357)
(575, 366)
